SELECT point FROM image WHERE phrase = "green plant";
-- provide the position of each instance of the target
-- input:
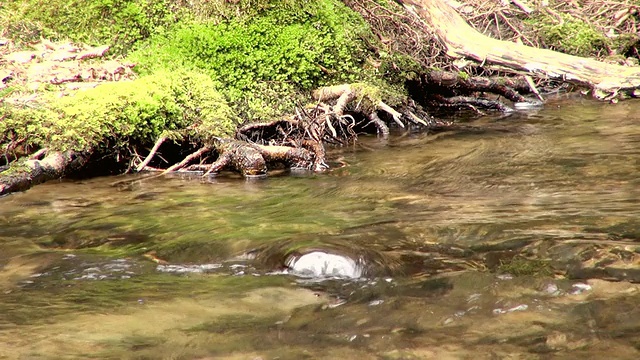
(119, 23)
(571, 35)
(119, 114)
(268, 59)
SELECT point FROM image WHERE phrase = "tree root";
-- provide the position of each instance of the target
(152, 153)
(442, 89)
(246, 158)
(298, 142)
(22, 175)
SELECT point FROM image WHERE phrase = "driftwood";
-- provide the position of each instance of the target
(20, 177)
(607, 81)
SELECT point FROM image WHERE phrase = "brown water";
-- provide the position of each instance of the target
(520, 244)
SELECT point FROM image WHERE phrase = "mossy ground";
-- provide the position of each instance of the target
(570, 35)
(203, 65)
(117, 114)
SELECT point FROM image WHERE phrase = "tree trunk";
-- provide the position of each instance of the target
(461, 40)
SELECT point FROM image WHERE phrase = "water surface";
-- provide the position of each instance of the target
(520, 244)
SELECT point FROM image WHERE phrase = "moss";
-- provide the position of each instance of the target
(119, 23)
(519, 266)
(120, 113)
(260, 57)
(571, 35)
(463, 75)
(17, 168)
(265, 64)
(371, 92)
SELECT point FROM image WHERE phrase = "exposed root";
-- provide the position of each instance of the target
(453, 83)
(382, 128)
(391, 111)
(152, 153)
(298, 142)
(188, 159)
(38, 155)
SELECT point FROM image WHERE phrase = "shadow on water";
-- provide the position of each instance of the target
(474, 244)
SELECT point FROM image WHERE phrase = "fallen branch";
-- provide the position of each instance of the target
(605, 80)
(188, 159)
(153, 151)
(21, 176)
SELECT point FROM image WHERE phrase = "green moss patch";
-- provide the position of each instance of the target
(203, 65)
(119, 23)
(121, 113)
(267, 63)
(571, 35)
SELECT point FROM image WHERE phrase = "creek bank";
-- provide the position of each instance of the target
(399, 82)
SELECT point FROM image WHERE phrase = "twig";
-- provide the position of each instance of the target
(330, 126)
(187, 159)
(523, 6)
(153, 151)
(529, 81)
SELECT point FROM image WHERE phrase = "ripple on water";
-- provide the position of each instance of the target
(186, 269)
(72, 267)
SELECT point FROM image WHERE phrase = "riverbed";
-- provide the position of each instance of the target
(520, 240)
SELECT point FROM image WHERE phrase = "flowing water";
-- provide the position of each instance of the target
(518, 244)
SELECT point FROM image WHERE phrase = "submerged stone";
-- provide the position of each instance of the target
(319, 264)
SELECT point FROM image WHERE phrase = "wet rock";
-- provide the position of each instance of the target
(319, 264)
(551, 289)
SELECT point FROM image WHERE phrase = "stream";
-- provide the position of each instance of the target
(492, 244)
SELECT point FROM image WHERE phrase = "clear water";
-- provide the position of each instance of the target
(519, 244)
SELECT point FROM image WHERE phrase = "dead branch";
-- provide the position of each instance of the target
(605, 80)
(153, 151)
(188, 159)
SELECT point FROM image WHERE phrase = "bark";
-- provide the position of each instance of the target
(605, 80)
(447, 81)
(32, 172)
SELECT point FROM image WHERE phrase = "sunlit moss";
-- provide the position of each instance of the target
(119, 23)
(570, 35)
(265, 63)
(119, 113)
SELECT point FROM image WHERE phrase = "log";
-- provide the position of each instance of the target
(607, 81)
(21, 176)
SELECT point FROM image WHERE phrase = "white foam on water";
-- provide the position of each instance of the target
(319, 264)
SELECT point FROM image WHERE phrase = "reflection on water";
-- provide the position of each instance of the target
(475, 244)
